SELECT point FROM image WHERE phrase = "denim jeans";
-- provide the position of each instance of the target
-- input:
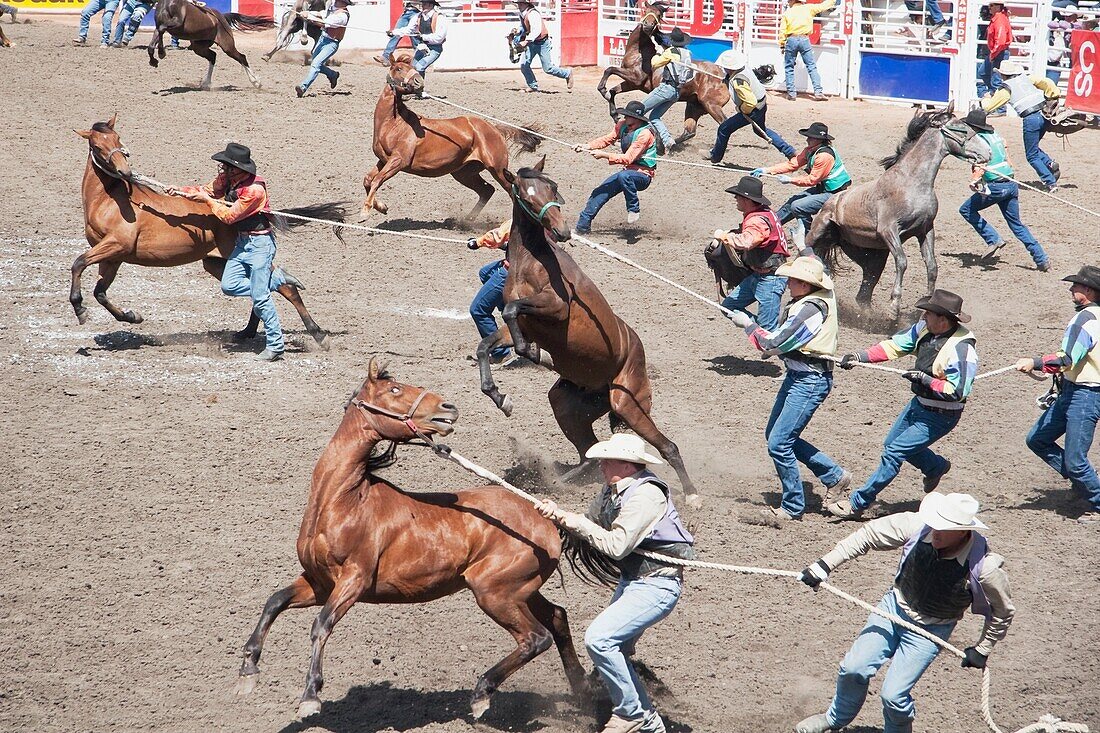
(248, 272)
(766, 290)
(541, 49)
(799, 397)
(739, 120)
(882, 639)
(324, 50)
(93, 7)
(1034, 129)
(123, 33)
(932, 7)
(627, 182)
(423, 59)
(636, 605)
(656, 104)
(800, 46)
(406, 16)
(489, 300)
(1006, 195)
(1073, 414)
(915, 429)
(802, 206)
(989, 75)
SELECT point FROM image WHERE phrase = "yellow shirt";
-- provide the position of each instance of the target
(1003, 95)
(798, 20)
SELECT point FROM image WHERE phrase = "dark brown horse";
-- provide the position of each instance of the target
(726, 266)
(292, 24)
(10, 10)
(365, 540)
(125, 222)
(204, 27)
(705, 94)
(461, 147)
(557, 317)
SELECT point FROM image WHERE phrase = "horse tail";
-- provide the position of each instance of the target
(589, 564)
(334, 211)
(526, 140)
(245, 23)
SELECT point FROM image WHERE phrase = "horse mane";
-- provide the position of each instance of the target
(918, 125)
(384, 454)
(102, 127)
(529, 173)
(587, 563)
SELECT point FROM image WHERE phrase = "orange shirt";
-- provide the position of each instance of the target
(641, 143)
(496, 238)
(251, 198)
(823, 163)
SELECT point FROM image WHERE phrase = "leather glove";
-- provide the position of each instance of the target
(974, 658)
(471, 243)
(815, 574)
(741, 319)
(916, 376)
(849, 361)
(783, 179)
(756, 172)
(712, 245)
(422, 47)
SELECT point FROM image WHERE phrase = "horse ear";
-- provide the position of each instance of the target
(372, 369)
(510, 177)
(111, 122)
(86, 134)
(540, 165)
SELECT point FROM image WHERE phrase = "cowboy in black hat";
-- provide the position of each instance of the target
(762, 245)
(335, 24)
(824, 175)
(993, 184)
(941, 379)
(238, 197)
(676, 71)
(1076, 410)
(638, 156)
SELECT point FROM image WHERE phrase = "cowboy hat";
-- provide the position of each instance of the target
(750, 188)
(950, 511)
(1088, 276)
(623, 447)
(818, 129)
(1010, 68)
(678, 38)
(238, 156)
(732, 60)
(945, 303)
(635, 109)
(808, 270)
(976, 118)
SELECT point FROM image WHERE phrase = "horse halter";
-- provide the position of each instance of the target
(406, 418)
(647, 16)
(531, 212)
(110, 154)
(958, 136)
(404, 81)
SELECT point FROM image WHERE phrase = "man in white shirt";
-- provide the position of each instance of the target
(428, 29)
(533, 36)
(335, 24)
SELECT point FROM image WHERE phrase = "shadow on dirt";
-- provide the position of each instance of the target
(973, 260)
(1065, 503)
(188, 90)
(130, 341)
(736, 366)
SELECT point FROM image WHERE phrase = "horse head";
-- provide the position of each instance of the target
(654, 13)
(106, 150)
(537, 194)
(402, 77)
(964, 142)
(401, 412)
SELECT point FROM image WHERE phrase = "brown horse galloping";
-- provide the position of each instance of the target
(461, 147)
(204, 27)
(557, 317)
(363, 539)
(125, 222)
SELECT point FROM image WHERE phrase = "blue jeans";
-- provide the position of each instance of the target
(489, 300)
(324, 50)
(93, 7)
(636, 605)
(627, 182)
(766, 290)
(656, 103)
(932, 7)
(799, 397)
(739, 120)
(1006, 195)
(881, 639)
(541, 49)
(123, 32)
(802, 206)
(915, 429)
(989, 75)
(1074, 415)
(248, 272)
(1034, 129)
(800, 46)
(423, 59)
(406, 16)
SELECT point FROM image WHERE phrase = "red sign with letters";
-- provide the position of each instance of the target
(1084, 76)
(615, 47)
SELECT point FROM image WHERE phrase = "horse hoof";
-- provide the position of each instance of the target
(133, 317)
(478, 707)
(694, 501)
(323, 340)
(82, 317)
(505, 407)
(382, 208)
(246, 683)
(307, 708)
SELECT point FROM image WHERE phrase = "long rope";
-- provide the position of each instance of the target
(1046, 724)
(1003, 177)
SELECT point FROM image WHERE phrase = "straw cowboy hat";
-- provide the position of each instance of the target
(752, 189)
(976, 118)
(236, 155)
(945, 303)
(624, 447)
(1088, 276)
(732, 60)
(808, 270)
(1010, 68)
(950, 511)
(818, 130)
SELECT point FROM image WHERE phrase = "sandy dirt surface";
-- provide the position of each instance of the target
(155, 474)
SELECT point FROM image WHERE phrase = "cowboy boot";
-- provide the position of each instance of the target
(814, 724)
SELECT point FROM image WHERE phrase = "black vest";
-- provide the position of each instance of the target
(928, 348)
(425, 25)
(934, 587)
(258, 222)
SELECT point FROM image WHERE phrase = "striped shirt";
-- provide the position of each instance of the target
(958, 372)
(1082, 335)
(804, 321)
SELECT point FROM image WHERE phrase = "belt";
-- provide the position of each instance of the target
(941, 410)
(1033, 110)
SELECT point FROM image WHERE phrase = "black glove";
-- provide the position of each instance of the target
(974, 658)
(849, 361)
(471, 243)
(917, 377)
(815, 574)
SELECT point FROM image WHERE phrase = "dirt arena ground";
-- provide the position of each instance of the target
(155, 474)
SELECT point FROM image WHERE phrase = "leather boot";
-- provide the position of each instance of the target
(814, 724)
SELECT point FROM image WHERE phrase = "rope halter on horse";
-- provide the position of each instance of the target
(407, 417)
(103, 166)
(402, 85)
(529, 211)
(960, 134)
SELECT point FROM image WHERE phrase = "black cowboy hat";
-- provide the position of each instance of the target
(238, 156)
(661, 5)
(633, 109)
(818, 129)
(1088, 276)
(678, 38)
(976, 118)
(752, 189)
(945, 303)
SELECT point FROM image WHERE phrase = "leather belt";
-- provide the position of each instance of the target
(1033, 110)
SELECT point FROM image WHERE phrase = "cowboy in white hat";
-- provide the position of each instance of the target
(633, 511)
(334, 21)
(751, 102)
(1029, 95)
(945, 568)
(806, 342)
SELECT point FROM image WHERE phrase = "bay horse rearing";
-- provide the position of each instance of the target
(461, 147)
(870, 221)
(363, 539)
(557, 317)
(704, 94)
(204, 27)
(125, 222)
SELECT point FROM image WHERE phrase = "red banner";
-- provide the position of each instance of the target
(1084, 77)
(961, 17)
(849, 19)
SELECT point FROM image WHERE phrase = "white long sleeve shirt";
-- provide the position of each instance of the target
(439, 24)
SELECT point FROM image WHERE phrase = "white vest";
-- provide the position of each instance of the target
(755, 86)
(1025, 95)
